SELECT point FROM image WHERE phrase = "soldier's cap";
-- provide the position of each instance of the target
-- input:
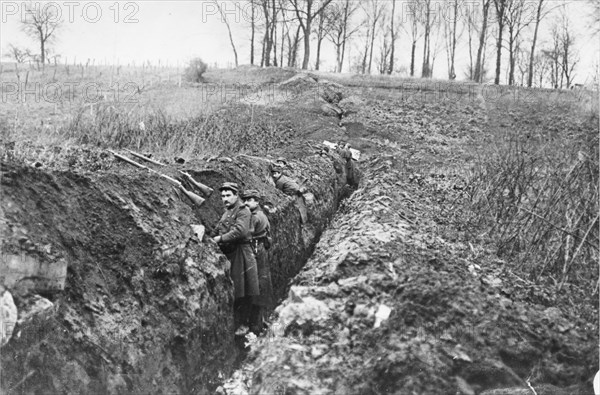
(276, 168)
(281, 159)
(251, 193)
(232, 186)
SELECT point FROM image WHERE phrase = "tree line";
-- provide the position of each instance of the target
(291, 33)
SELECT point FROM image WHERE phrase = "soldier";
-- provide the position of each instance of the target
(281, 162)
(232, 233)
(261, 242)
(346, 154)
(290, 188)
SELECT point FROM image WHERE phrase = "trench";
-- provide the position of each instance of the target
(116, 294)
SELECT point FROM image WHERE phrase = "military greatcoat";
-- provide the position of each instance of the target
(234, 229)
(260, 230)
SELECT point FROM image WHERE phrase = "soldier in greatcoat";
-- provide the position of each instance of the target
(261, 242)
(346, 155)
(233, 235)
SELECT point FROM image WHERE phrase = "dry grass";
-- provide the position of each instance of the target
(147, 109)
(535, 191)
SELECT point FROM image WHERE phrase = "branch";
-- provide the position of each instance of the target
(561, 229)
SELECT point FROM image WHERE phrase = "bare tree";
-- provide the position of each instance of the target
(224, 19)
(436, 30)
(375, 10)
(385, 48)
(253, 21)
(413, 10)
(471, 22)
(568, 52)
(41, 22)
(17, 54)
(393, 37)
(552, 54)
(500, 6)
(306, 11)
(324, 25)
(427, 21)
(538, 18)
(339, 16)
(270, 13)
(451, 34)
(517, 18)
(478, 76)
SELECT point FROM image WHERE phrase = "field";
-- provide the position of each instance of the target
(475, 222)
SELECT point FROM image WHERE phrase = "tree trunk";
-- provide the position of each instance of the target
(42, 48)
(274, 32)
(500, 7)
(452, 73)
(393, 32)
(471, 68)
(511, 60)
(252, 34)
(371, 46)
(319, 42)
(364, 62)
(284, 33)
(533, 42)
(412, 58)
(306, 31)
(426, 43)
(267, 39)
(480, 54)
(498, 54)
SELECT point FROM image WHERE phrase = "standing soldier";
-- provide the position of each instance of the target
(346, 154)
(290, 188)
(232, 233)
(261, 242)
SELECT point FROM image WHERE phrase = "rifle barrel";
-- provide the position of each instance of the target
(145, 158)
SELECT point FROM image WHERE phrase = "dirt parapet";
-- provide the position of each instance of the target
(143, 305)
(388, 304)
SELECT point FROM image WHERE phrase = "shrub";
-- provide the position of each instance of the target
(536, 190)
(194, 71)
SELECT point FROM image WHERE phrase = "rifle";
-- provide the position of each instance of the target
(191, 195)
(145, 158)
(205, 189)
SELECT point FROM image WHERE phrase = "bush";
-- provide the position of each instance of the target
(194, 71)
(536, 190)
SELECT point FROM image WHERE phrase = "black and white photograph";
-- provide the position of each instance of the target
(298, 197)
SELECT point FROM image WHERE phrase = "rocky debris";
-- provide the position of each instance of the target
(8, 316)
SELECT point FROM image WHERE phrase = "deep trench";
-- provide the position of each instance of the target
(135, 315)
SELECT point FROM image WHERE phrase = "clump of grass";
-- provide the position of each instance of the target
(535, 191)
(235, 128)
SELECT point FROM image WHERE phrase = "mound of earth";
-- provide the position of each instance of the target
(400, 298)
(115, 289)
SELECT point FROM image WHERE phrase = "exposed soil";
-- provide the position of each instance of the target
(146, 307)
(462, 320)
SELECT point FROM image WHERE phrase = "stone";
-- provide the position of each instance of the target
(8, 317)
(39, 307)
(46, 276)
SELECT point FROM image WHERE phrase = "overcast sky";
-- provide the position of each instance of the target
(176, 31)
